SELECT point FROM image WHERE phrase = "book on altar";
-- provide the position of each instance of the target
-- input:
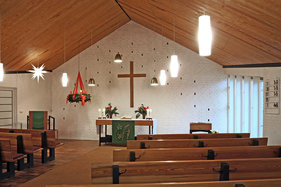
(126, 117)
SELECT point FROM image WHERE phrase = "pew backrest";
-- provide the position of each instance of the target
(186, 171)
(21, 143)
(191, 136)
(36, 136)
(188, 143)
(240, 183)
(206, 153)
(5, 150)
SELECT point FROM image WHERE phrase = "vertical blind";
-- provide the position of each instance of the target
(6, 107)
(245, 105)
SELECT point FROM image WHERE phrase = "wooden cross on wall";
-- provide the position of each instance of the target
(131, 76)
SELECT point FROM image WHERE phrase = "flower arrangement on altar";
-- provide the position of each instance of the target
(142, 110)
(109, 111)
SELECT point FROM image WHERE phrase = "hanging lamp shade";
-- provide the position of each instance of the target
(174, 66)
(163, 77)
(1, 72)
(154, 82)
(64, 80)
(118, 58)
(205, 36)
(91, 82)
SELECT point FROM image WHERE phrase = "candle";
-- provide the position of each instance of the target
(103, 112)
(99, 112)
(150, 112)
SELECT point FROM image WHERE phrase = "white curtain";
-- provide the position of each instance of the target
(245, 105)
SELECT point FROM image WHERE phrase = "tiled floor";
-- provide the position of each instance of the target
(70, 150)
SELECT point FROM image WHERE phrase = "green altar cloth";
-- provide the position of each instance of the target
(122, 131)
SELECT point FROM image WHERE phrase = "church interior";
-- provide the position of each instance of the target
(140, 93)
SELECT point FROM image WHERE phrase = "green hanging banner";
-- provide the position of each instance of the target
(122, 131)
(38, 120)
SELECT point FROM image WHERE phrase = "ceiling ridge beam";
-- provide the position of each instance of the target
(276, 64)
(21, 72)
(122, 9)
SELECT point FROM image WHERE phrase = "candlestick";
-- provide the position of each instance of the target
(99, 113)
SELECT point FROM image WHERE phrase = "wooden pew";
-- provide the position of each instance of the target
(237, 183)
(209, 153)
(40, 138)
(186, 171)
(189, 143)
(191, 136)
(21, 144)
(9, 157)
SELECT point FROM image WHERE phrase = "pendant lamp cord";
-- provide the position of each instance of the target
(0, 37)
(174, 35)
(64, 43)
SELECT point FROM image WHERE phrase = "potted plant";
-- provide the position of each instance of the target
(142, 110)
(109, 111)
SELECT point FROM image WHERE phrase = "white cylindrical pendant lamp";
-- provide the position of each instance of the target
(1, 72)
(174, 66)
(64, 80)
(163, 77)
(205, 36)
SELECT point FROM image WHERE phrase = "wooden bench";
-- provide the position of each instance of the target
(209, 153)
(8, 156)
(200, 126)
(186, 171)
(189, 143)
(191, 136)
(237, 183)
(21, 144)
(40, 138)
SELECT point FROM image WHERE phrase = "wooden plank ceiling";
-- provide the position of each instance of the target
(244, 31)
(33, 31)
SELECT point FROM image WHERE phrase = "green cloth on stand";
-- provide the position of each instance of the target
(122, 131)
(38, 120)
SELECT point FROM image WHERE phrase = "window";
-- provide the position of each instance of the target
(7, 107)
(245, 105)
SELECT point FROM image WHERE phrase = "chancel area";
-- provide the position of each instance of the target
(140, 93)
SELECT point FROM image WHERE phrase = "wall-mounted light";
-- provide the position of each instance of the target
(154, 82)
(92, 82)
(205, 36)
(118, 58)
(163, 77)
(64, 80)
(174, 66)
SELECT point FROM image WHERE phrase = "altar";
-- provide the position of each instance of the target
(135, 122)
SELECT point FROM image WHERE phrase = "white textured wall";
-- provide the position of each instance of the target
(173, 105)
(30, 94)
(271, 122)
